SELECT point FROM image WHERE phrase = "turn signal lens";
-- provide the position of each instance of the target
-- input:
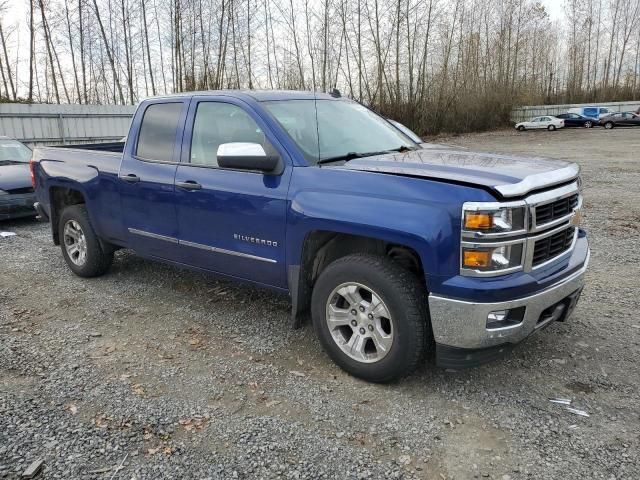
(478, 221)
(32, 172)
(475, 258)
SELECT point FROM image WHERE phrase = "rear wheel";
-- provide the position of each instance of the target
(608, 125)
(588, 124)
(370, 316)
(551, 128)
(81, 247)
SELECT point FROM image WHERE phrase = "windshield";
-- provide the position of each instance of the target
(343, 129)
(12, 150)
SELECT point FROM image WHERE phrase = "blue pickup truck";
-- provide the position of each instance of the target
(395, 251)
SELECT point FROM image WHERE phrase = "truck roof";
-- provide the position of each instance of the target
(258, 95)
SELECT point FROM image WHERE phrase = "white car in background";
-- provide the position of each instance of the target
(545, 121)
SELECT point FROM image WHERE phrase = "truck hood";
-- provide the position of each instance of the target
(14, 175)
(508, 176)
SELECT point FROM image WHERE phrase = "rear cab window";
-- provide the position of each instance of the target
(158, 130)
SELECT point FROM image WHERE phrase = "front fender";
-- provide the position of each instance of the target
(424, 228)
(418, 213)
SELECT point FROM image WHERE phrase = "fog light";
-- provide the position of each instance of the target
(497, 316)
(505, 318)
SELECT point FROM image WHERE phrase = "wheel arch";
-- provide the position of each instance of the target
(322, 247)
(59, 198)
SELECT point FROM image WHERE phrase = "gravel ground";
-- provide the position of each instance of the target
(171, 374)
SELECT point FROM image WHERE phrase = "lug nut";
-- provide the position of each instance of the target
(370, 316)
(354, 323)
(362, 309)
(353, 312)
(362, 330)
(370, 328)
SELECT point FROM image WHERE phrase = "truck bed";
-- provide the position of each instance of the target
(77, 163)
(116, 147)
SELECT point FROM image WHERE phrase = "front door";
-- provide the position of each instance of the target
(231, 221)
(146, 177)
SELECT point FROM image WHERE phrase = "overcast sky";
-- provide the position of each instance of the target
(18, 9)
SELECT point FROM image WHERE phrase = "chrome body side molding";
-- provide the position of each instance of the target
(201, 246)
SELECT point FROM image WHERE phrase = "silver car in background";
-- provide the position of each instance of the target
(544, 122)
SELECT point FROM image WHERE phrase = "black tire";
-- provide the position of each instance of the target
(588, 124)
(97, 261)
(403, 295)
(608, 125)
(551, 128)
(521, 128)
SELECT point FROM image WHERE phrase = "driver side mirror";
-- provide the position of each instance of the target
(247, 156)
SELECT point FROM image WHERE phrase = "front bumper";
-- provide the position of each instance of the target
(17, 205)
(460, 327)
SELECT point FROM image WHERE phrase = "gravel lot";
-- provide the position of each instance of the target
(171, 374)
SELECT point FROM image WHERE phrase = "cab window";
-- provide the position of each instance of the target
(217, 123)
(158, 131)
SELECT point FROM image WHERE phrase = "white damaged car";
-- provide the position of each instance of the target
(544, 122)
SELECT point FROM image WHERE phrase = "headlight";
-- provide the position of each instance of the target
(487, 258)
(483, 219)
(493, 238)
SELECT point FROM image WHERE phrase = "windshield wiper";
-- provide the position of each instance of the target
(351, 155)
(403, 148)
(346, 157)
(5, 163)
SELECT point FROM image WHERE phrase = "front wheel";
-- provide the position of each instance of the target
(81, 247)
(551, 128)
(370, 316)
(608, 125)
(588, 124)
(521, 128)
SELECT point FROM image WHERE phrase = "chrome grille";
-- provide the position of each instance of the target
(551, 211)
(552, 246)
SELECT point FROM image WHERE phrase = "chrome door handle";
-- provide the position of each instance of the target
(189, 185)
(130, 177)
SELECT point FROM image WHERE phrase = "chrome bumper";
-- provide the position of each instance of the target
(463, 324)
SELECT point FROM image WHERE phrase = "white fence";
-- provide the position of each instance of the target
(520, 114)
(64, 124)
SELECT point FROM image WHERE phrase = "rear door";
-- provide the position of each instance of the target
(629, 120)
(231, 221)
(146, 178)
(569, 119)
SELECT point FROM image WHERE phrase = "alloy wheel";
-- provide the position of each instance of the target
(359, 322)
(75, 242)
